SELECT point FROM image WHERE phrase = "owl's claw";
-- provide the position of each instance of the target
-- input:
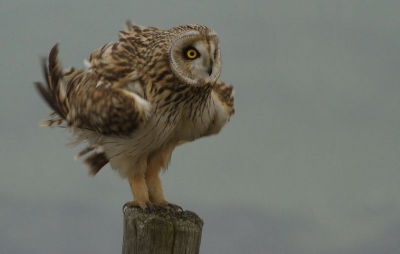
(169, 206)
(147, 206)
(175, 207)
(151, 207)
(165, 205)
(128, 205)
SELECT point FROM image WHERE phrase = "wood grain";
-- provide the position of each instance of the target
(161, 232)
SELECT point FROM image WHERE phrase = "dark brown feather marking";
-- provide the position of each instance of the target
(96, 162)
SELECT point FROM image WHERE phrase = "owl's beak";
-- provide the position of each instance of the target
(209, 71)
(210, 67)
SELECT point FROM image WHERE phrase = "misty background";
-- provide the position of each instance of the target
(309, 164)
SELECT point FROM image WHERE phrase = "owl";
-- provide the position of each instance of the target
(139, 98)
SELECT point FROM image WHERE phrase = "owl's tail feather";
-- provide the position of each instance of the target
(55, 94)
(95, 162)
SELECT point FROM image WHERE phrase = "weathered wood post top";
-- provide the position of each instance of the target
(161, 232)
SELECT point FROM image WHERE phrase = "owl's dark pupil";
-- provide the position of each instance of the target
(191, 53)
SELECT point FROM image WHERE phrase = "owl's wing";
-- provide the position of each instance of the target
(223, 100)
(114, 63)
(108, 111)
(119, 62)
(224, 94)
(76, 98)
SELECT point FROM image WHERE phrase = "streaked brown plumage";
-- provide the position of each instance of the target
(139, 98)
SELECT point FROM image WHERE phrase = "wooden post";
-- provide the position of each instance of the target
(161, 232)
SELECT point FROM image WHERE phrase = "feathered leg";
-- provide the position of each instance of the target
(158, 161)
(138, 186)
(140, 192)
(154, 186)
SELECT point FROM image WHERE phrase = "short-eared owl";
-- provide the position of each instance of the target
(139, 98)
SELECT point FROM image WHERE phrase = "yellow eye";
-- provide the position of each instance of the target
(191, 53)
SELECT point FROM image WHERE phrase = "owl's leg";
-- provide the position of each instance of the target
(137, 179)
(156, 162)
(154, 185)
(156, 192)
(140, 192)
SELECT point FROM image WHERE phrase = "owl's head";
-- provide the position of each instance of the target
(195, 57)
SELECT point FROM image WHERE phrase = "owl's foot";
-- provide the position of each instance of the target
(168, 206)
(175, 207)
(145, 205)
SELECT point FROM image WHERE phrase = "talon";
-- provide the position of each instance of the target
(165, 207)
(150, 207)
(129, 205)
(175, 207)
(146, 206)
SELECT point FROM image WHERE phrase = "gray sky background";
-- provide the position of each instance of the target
(309, 164)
